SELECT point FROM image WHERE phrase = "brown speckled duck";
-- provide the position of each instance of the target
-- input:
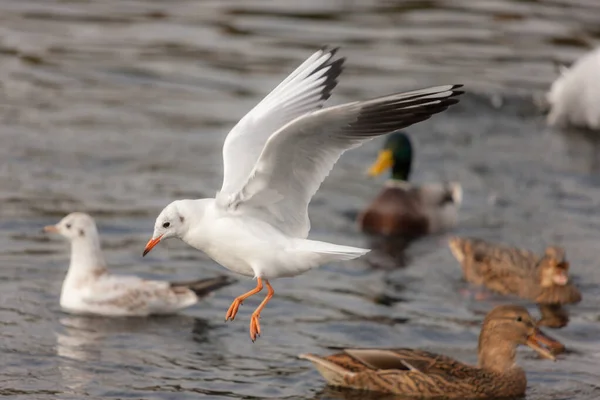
(423, 374)
(403, 209)
(506, 270)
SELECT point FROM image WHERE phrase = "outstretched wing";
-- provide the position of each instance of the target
(303, 91)
(299, 156)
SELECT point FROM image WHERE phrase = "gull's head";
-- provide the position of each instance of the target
(170, 222)
(76, 225)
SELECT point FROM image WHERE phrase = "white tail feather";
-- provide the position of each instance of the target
(336, 251)
(302, 255)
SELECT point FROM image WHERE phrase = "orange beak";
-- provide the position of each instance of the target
(544, 345)
(150, 245)
(51, 229)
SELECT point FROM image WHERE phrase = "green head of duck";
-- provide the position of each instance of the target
(396, 155)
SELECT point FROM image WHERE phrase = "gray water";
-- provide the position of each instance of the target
(118, 107)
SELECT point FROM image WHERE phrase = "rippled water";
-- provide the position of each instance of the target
(118, 107)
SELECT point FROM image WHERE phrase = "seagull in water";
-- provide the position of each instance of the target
(275, 159)
(90, 289)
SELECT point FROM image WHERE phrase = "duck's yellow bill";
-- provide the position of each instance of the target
(384, 161)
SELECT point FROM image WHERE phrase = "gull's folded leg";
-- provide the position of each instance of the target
(254, 324)
(233, 309)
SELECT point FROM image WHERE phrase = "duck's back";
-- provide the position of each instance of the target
(479, 384)
(504, 269)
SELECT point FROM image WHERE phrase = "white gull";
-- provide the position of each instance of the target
(574, 97)
(275, 159)
(89, 288)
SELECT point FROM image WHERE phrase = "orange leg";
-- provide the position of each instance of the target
(254, 324)
(233, 309)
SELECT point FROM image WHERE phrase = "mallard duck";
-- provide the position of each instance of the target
(423, 374)
(508, 270)
(89, 287)
(404, 209)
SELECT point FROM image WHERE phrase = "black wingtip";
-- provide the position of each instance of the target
(329, 49)
(398, 111)
(335, 67)
(204, 287)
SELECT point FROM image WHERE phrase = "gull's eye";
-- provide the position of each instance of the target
(68, 226)
(166, 224)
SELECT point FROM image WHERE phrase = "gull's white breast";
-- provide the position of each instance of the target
(242, 244)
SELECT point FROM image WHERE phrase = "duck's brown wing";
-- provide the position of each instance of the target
(410, 360)
(394, 211)
(504, 269)
(360, 360)
(478, 384)
(506, 273)
(348, 362)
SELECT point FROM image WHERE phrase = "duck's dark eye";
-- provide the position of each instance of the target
(519, 318)
(166, 224)
(68, 226)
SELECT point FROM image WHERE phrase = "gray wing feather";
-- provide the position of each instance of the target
(299, 156)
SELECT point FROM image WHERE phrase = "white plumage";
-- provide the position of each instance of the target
(275, 159)
(89, 288)
(574, 98)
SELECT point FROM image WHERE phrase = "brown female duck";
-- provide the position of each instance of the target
(423, 374)
(403, 209)
(506, 270)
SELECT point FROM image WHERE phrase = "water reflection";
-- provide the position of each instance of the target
(332, 393)
(91, 341)
(582, 148)
(553, 315)
(81, 337)
(387, 252)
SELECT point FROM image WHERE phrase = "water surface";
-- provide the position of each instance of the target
(118, 107)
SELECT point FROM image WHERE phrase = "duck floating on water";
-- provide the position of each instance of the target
(425, 375)
(404, 209)
(509, 270)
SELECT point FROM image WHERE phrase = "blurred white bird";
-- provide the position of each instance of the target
(574, 98)
(275, 159)
(90, 289)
